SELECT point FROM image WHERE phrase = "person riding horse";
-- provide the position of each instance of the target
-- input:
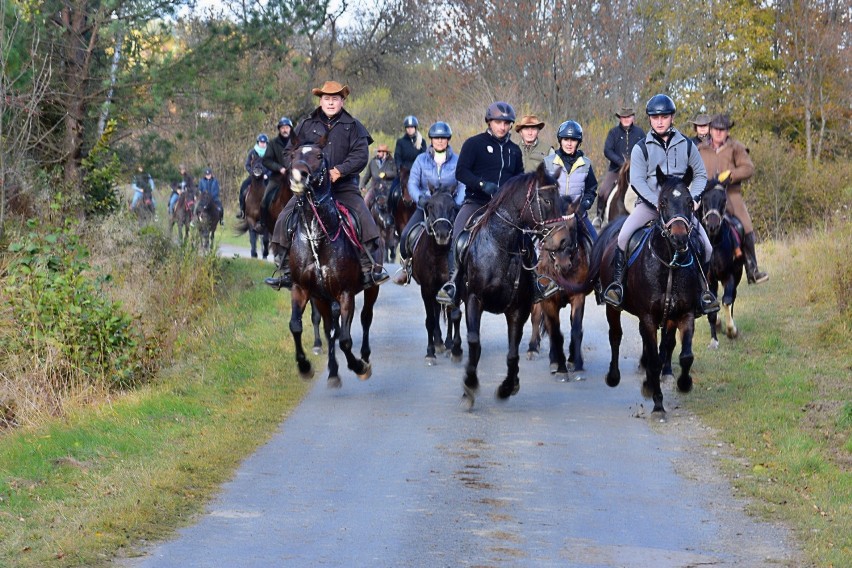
(346, 148)
(619, 143)
(142, 184)
(434, 170)
(275, 160)
(178, 188)
(487, 160)
(577, 180)
(666, 147)
(255, 157)
(381, 168)
(209, 184)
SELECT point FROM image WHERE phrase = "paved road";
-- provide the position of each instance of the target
(395, 472)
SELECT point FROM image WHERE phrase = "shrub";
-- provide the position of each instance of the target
(101, 172)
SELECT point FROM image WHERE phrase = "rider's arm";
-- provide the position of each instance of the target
(357, 158)
(699, 173)
(414, 189)
(743, 166)
(639, 176)
(611, 148)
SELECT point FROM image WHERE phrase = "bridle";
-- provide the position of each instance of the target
(540, 224)
(432, 224)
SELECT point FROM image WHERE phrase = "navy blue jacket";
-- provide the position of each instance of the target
(619, 144)
(483, 158)
(347, 146)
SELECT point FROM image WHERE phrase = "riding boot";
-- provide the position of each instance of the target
(448, 294)
(372, 272)
(285, 278)
(707, 301)
(753, 274)
(542, 291)
(403, 275)
(614, 293)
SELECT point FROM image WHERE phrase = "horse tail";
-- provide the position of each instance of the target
(242, 227)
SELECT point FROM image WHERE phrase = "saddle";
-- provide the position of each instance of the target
(735, 226)
(641, 236)
(463, 240)
(414, 236)
(350, 223)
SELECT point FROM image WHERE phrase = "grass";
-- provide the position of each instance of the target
(78, 491)
(780, 395)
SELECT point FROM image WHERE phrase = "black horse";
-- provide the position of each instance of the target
(565, 256)
(497, 268)
(662, 283)
(182, 214)
(324, 260)
(726, 265)
(206, 219)
(429, 267)
(381, 210)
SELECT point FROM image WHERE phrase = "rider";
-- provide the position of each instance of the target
(578, 179)
(433, 170)
(184, 183)
(347, 152)
(255, 157)
(209, 184)
(666, 147)
(724, 154)
(486, 161)
(701, 125)
(619, 143)
(142, 183)
(381, 167)
(275, 160)
(409, 145)
(529, 128)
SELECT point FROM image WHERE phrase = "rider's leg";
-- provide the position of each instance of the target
(403, 275)
(642, 214)
(243, 190)
(172, 201)
(281, 239)
(449, 295)
(707, 302)
(753, 274)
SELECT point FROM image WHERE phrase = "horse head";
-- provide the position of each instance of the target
(560, 244)
(309, 172)
(257, 171)
(714, 200)
(381, 204)
(676, 208)
(440, 214)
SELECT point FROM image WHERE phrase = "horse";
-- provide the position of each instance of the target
(380, 208)
(430, 268)
(206, 219)
(324, 261)
(663, 281)
(565, 254)
(494, 270)
(617, 204)
(401, 204)
(726, 266)
(144, 209)
(182, 214)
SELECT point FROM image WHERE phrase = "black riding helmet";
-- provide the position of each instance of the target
(570, 130)
(285, 122)
(660, 104)
(440, 130)
(500, 111)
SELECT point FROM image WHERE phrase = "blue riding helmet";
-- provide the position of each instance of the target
(285, 122)
(263, 138)
(500, 111)
(440, 130)
(410, 120)
(571, 130)
(660, 104)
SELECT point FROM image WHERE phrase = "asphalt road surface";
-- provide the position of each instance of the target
(395, 472)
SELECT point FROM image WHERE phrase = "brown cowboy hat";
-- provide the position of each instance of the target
(721, 122)
(382, 148)
(529, 120)
(624, 112)
(701, 120)
(331, 88)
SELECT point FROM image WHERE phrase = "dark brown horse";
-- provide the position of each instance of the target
(429, 267)
(620, 202)
(663, 281)
(206, 219)
(182, 214)
(401, 205)
(565, 255)
(381, 210)
(497, 268)
(324, 260)
(726, 266)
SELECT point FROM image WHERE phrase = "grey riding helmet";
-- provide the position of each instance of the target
(440, 130)
(500, 111)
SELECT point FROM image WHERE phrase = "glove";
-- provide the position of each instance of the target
(489, 187)
(725, 176)
(382, 175)
(585, 205)
(422, 201)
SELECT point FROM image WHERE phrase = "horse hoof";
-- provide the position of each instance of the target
(733, 332)
(334, 383)
(532, 355)
(612, 379)
(554, 369)
(431, 360)
(368, 372)
(516, 388)
(467, 402)
(469, 397)
(440, 348)
(684, 384)
(666, 377)
(714, 344)
(317, 350)
(456, 358)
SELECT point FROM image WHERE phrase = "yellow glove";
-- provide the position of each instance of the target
(382, 175)
(723, 177)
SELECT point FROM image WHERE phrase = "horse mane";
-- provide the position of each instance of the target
(506, 193)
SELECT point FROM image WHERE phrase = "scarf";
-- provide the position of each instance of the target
(260, 150)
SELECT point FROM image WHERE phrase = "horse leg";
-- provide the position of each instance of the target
(687, 329)
(332, 334)
(456, 351)
(712, 319)
(347, 314)
(315, 321)
(536, 320)
(575, 348)
(557, 340)
(473, 314)
(515, 321)
(668, 340)
(432, 315)
(298, 299)
(613, 318)
(651, 386)
(728, 302)
(253, 242)
(370, 297)
(265, 242)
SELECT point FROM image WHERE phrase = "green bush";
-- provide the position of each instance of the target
(101, 170)
(62, 318)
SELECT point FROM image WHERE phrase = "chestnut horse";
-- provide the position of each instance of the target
(182, 214)
(324, 260)
(565, 253)
(620, 201)
(663, 281)
(496, 268)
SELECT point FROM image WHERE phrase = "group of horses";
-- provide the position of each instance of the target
(191, 208)
(664, 275)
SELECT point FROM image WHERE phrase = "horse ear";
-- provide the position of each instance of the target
(541, 171)
(573, 206)
(687, 177)
(661, 177)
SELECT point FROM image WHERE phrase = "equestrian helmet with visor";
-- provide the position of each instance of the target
(409, 121)
(571, 130)
(263, 138)
(660, 105)
(440, 130)
(500, 111)
(285, 122)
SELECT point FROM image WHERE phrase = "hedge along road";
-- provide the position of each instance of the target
(395, 472)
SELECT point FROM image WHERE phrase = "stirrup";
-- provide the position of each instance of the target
(614, 294)
(447, 294)
(758, 278)
(543, 292)
(709, 303)
(402, 277)
(371, 278)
